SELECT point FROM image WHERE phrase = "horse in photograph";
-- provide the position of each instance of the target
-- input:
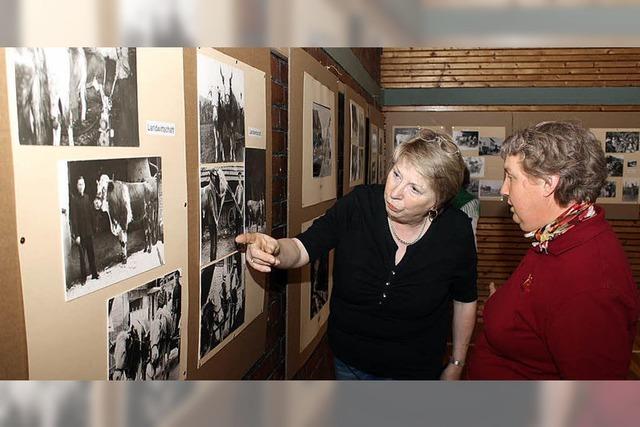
(129, 351)
(161, 334)
(126, 202)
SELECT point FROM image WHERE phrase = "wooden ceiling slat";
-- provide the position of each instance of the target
(509, 72)
(519, 58)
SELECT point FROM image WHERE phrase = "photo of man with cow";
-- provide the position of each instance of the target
(222, 301)
(222, 210)
(143, 339)
(112, 215)
(76, 96)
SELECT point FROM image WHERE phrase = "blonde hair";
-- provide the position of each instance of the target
(437, 158)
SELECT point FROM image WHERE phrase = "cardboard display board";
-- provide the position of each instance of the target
(300, 63)
(13, 344)
(241, 348)
(68, 340)
(355, 102)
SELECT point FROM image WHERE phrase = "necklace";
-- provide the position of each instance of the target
(393, 231)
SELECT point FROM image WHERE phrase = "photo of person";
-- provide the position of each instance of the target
(614, 165)
(322, 141)
(490, 146)
(222, 210)
(77, 96)
(630, 190)
(475, 166)
(111, 221)
(221, 111)
(466, 139)
(621, 142)
(608, 189)
(143, 331)
(222, 301)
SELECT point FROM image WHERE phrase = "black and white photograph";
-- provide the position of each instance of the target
(222, 210)
(630, 190)
(144, 331)
(221, 103)
(614, 165)
(473, 187)
(631, 164)
(621, 142)
(475, 166)
(111, 221)
(403, 134)
(77, 96)
(490, 145)
(319, 284)
(357, 142)
(466, 139)
(322, 140)
(373, 155)
(255, 191)
(222, 301)
(489, 189)
(608, 190)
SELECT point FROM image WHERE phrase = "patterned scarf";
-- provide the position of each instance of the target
(567, 220)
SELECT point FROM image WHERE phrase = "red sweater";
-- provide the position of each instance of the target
(568, 314)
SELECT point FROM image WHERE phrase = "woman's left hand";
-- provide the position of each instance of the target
(451, 373)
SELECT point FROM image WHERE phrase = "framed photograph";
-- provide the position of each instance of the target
(630, 190)
(222, 302)
(490, 145)
(222, 210)
(112, 225)
(466, 139)
(608, 190)
(76, 96)
(475, 165)
(403, 134)
(221, 111)
(322, 140)
(490, 189)
(614, 165)
(144, 331)
(621, 142)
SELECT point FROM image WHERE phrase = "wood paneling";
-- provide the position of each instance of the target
(560, 67)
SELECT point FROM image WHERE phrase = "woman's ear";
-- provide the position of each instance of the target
(550, 184)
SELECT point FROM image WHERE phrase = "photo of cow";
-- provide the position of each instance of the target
(255, 191)
(76, 96)
(111, 221)
(319, 284)
(222, 210)
(143, 331)
(322, 140)
(221, 111)
(222, 301)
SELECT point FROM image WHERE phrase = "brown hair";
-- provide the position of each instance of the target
(437, 158)
(566, 149)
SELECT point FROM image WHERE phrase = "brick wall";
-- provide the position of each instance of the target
(271, 365)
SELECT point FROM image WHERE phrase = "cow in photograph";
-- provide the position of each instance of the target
(126, 202)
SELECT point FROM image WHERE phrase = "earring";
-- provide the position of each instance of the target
(432, 214)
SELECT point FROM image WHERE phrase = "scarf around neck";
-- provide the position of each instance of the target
(574, 215)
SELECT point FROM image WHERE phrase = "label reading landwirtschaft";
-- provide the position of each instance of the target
(161, 128)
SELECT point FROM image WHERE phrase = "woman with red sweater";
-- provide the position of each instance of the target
(569, 310)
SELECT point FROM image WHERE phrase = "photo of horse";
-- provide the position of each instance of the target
(255, 191)
(111, 215)
(221, 111)
(222, 301)
(222, 210)
(143, 331)
(76, 96)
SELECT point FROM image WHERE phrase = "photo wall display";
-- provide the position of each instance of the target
(108, 203)
(232, 142)
(358, 140)
(480, 147)
(316, 288)
(622, 153)
(319, 153)
(144, 331)
(76, 96)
